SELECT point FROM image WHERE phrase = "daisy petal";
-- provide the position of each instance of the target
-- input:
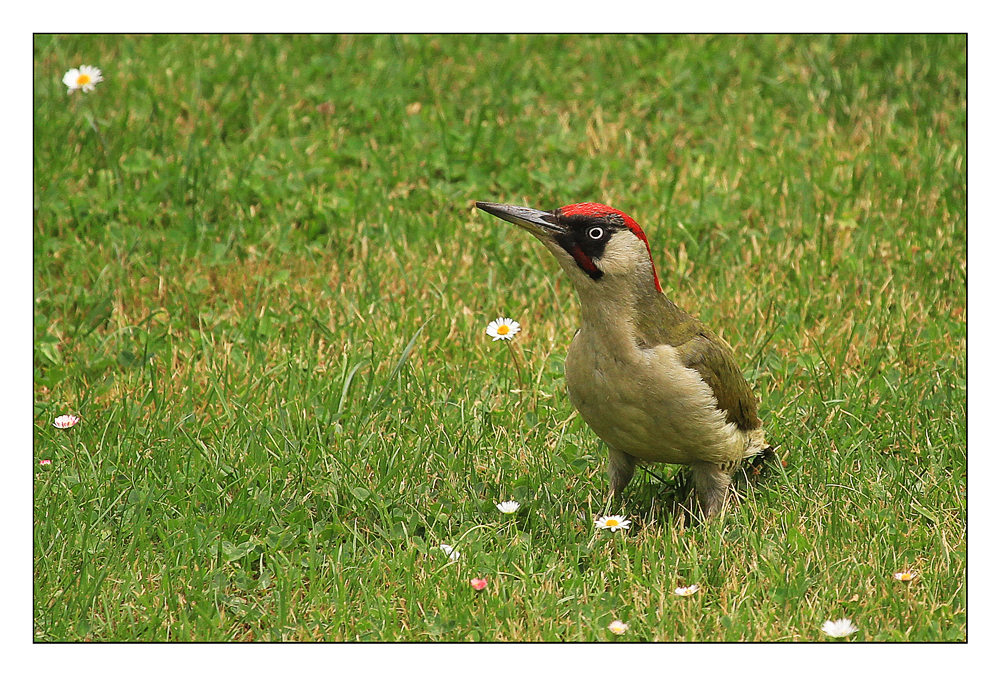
(450, 551)
(840, 628)
(508, 507)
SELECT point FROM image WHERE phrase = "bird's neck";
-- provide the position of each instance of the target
(611, 307)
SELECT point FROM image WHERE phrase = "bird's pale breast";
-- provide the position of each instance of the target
(644, 402)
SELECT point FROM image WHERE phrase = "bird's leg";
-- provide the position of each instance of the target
(621, 467)
(711, 483)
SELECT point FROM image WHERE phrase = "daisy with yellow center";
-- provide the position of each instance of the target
(84, 77)
(502, 328)
(613, 523)
(905, 576)
(618, 627)
(687, 591)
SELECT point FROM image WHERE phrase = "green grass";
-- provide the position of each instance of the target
(264, 288)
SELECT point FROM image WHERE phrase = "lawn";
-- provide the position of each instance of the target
(261, 283)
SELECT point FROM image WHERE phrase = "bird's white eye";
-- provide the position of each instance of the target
(595, 233)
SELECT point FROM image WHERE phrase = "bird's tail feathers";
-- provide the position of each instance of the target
(757, 446)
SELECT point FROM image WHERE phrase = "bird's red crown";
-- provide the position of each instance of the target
(597, 210)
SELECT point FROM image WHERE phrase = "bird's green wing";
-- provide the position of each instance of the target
(714, 361)
(700, 349)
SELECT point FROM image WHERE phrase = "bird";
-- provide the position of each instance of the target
(651, 381)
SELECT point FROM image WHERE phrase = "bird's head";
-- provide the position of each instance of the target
(594, 243)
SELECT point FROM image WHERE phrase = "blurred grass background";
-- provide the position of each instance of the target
(261, 282)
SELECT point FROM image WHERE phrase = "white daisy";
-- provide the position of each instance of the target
(508, 507)
(65, 421)
(450, 551)
(905, 576)
(503, 328)
(839, 629)
(84, 77)
(687, 591)
(618, 627)
(613, 522)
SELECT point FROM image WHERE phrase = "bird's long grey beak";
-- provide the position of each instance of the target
(540, 223)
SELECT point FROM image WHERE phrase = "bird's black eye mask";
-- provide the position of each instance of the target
(585, 239)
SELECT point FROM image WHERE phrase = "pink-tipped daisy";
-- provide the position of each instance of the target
(478, 583)
(613, 523)
(44, 463)
(64, 422)
(503, 328)
(84, 77)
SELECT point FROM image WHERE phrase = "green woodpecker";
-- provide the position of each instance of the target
(651, 380)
